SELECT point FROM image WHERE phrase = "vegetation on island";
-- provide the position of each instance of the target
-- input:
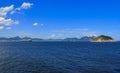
(103, 38)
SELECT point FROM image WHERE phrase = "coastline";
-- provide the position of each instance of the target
(102, 41)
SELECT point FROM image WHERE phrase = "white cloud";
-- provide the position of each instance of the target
(1, 27)
(4, 10)
(35, 24)
(7, 22)
(26, 5)
(8, 28)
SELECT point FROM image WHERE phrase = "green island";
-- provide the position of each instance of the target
(103, 38)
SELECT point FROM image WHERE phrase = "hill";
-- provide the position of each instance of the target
(103, 38)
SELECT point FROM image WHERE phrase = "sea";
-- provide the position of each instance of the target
(59, 57)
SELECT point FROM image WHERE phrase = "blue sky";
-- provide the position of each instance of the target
(59, 18)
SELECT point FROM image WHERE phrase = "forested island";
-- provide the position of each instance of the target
(103, 38)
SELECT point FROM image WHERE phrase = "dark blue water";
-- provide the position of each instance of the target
(59, 57)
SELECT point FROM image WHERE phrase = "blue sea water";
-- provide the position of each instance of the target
(59, 57)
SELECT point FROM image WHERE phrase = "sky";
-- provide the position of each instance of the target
(59, 18)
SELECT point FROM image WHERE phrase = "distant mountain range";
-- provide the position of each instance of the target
(17, 38)
(84, 38)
